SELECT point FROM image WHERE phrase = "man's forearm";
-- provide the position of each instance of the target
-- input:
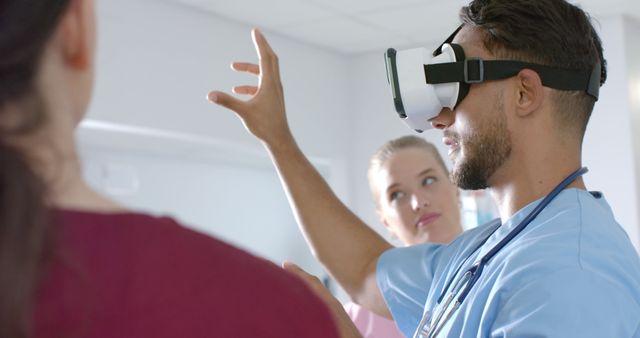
(347, 247)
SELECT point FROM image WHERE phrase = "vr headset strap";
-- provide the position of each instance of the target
(474, 70)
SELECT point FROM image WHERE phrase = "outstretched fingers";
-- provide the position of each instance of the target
(246, 67)
(268, 58)
(245, 90)
(227, 101)
(263, 113)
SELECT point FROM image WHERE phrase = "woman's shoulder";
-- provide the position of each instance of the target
(136, 231)
(157, 242)
(163, 268)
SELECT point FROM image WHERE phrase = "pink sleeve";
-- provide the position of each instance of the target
(371, 325)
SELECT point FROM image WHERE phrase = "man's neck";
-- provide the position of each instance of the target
(515, 187)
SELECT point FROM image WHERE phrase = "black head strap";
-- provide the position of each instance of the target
(463, 88)
(475, 70)
(438, 50)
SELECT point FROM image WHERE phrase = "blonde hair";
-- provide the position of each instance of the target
(387, 150)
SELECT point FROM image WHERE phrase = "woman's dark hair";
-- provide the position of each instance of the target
(25, 28)
(549, 32)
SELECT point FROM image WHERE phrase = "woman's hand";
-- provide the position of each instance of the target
(264, 113)
(345, 326)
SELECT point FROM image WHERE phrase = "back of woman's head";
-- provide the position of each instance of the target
(25, 28)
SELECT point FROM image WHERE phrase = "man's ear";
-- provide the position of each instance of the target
(530, 92)
(75, 34)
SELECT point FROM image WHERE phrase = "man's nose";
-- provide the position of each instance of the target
(443, 120)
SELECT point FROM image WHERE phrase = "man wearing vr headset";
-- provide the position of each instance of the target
(557, 264)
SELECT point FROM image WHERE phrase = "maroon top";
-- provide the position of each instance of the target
(133, 275)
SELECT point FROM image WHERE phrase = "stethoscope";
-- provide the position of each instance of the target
(472, 275)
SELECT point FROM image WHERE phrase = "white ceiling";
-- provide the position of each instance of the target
(356, 26)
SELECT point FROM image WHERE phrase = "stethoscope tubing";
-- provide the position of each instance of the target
(475, 271)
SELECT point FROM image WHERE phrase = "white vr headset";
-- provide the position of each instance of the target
(424, 83)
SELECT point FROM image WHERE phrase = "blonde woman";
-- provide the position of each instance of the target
(417, 203)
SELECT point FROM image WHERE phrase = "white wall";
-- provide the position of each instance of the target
(609, 149)
(241, 204)
(632, 38)
(156, 63)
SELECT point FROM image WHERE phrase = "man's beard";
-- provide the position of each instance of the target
(486, 150)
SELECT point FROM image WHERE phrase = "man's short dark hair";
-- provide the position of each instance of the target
(549, 32)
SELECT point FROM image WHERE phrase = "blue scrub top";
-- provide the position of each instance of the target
(572, 272)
